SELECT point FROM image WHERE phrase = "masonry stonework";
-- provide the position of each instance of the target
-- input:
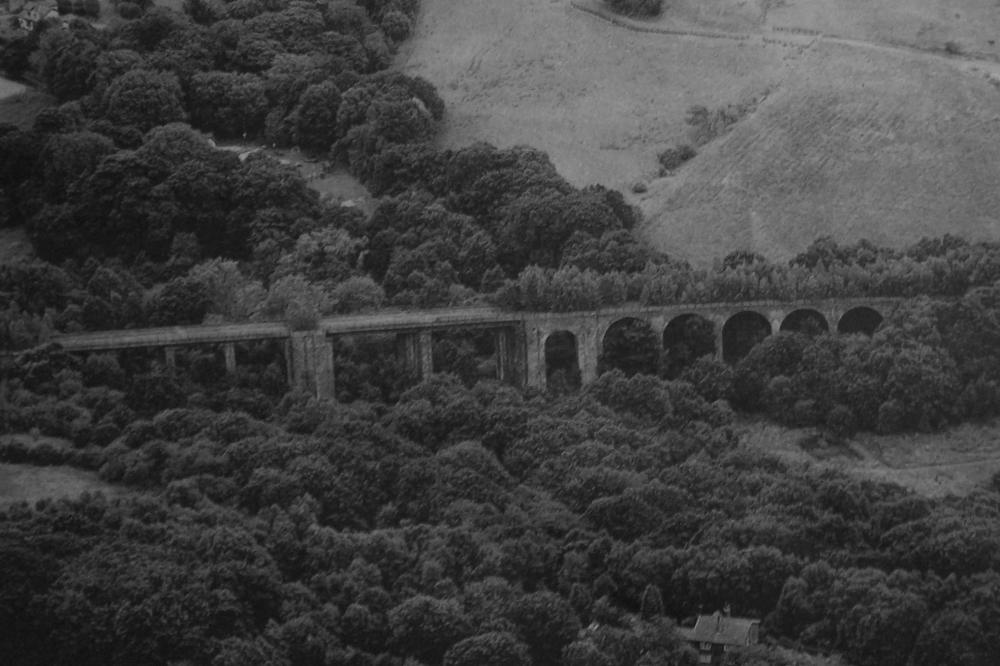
(520, 337)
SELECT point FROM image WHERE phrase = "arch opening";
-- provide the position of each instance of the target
(562, 362)
(741, 333)
(632, 346)
(686, 338)
(468, 353)
(861, 319)
(808, 321)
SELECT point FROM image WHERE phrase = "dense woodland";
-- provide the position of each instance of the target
(455, 521)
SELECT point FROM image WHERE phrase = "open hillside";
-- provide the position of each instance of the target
(600, 100)
(851, 139)
(876, 145)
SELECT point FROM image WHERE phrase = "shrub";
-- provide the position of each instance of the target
(891, 417)
(547, 623)
(841, 421)
(707, 124)
(129, 10)
(637, 7)
(673, 158)
(713, 379)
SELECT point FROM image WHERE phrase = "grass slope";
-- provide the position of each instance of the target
(855, 143)
(854, 140)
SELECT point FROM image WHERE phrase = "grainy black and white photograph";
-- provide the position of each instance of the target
(499, 333)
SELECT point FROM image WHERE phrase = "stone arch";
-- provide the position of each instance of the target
(861, 319)
(687, 337)
(631, 345)
(562, 356)
(741, 333)
(806, 320)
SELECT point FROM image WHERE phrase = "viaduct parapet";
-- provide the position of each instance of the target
(522, 340)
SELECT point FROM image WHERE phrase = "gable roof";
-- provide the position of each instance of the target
(722, 629)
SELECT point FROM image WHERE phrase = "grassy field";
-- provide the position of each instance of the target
(19, 105)
(10, 88)
(28, 483)
(15, 245)
(852, 140)
(335, 185)
(937, 464)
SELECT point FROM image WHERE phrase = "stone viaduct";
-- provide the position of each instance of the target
(521, 339)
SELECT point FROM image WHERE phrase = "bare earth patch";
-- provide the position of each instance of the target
(954, 462)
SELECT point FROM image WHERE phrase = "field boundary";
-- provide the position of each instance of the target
(636, 26)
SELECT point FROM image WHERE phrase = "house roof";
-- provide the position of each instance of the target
(722, 629)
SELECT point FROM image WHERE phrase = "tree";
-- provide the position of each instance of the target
(547, 624)
(952, 638)
(883, 631)
(67, 158)
(181, 301)
(316, 117)
(204, 12)
(112, 64)
(425, 628)
(631, 346)
(328, 256)
(356, 294)
(290, 74)
(396, 25)
(490, 649)
(254, 53)
(144, 99)
(229, 293)
(70, 65)
(642, 396)
(296, 300)
(229, 104)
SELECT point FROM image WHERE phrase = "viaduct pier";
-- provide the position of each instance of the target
(522, 340)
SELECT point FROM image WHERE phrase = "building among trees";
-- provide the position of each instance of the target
(714, 635)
